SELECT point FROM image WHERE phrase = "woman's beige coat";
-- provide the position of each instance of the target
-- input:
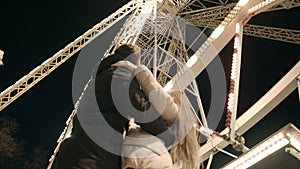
(141, 149)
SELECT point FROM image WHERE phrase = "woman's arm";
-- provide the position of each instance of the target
(166, 103)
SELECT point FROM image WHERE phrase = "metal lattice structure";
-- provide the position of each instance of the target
(158, 28)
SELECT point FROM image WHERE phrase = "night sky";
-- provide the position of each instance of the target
(32, 31)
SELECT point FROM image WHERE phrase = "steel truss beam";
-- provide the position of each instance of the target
(288, 4)
(201, 4)
(206, 54)
(216, 42)
(25, 83)
(255, 113)
(278, 34)
(211, 18)
(208, 51)
(221, 11)
(298, 82)
(131, 29)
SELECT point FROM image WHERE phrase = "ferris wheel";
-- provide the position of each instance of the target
(179, 39)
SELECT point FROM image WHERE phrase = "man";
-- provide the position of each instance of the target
(97, 135)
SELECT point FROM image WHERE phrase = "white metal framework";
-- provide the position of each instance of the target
(37, 74)
(287, 138)
(157, 29)
(1, 57)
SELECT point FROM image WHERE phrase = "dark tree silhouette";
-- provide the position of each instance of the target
(38, 158)
(12, 152)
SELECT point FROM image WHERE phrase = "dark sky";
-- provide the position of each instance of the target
(32, 31)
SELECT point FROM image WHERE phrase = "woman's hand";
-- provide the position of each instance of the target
(126, 64)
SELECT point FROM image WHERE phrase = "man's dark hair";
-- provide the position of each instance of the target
(129, 52)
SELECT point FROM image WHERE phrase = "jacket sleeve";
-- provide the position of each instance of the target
(158, 96)
(133, 102)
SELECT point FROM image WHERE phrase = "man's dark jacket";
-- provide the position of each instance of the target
(117, 96)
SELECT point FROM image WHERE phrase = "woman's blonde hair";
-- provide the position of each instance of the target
(186, 151)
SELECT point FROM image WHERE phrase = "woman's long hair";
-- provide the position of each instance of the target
(186, 151)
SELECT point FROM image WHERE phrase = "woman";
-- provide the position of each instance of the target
(143, 150)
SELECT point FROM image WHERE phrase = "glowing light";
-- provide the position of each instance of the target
(68, 135)
(169, 85)
(191, 61)
(1, 57)
(236, 42)
(233, 76)
(273, 144)
(230, 106)
(295, 143)
(217, 32)
(260, 5)
(237, 28)
(242, 2)
(232, 101)
(259, 153)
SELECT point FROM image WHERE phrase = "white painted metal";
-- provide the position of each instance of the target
(235, 77)
(138, 29)
(216, 42)
(298, 82)
(259, 110)
(133, 26)
(25, 83)
(211, 18)
(1, 57)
